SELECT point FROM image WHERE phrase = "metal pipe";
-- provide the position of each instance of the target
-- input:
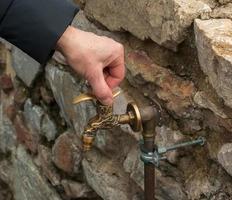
(149, 117)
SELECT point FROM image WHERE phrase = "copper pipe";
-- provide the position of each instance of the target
(149, 116)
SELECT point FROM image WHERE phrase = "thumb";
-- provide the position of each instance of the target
(100, 88)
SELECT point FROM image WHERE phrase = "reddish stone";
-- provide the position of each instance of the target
(24, 135)
(67, 154)
(153, 79)
(6, 83)
(45, 158)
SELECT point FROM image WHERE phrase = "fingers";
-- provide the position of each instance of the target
(116, 71)
(100, 88)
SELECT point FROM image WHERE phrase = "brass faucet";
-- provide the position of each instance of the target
(106, 119)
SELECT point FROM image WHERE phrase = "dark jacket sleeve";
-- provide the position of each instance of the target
(35, 26)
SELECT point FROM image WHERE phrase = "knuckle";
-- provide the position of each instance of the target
(120, 48)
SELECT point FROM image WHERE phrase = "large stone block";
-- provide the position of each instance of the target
(214, 45)
(165, 22)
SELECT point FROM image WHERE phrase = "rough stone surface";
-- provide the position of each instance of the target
(214, 43)
(77, 190)
(65, 87)
(203, 100)
(28, 183)
(24, 135)
(222, 12)
(106, 178)
(225, 157)
(7, 130)
(6, 83)
(166, 137)
(39, 121)
(165, 22)
(224, 1)
(176, 93)
(26, 68)
(67, 154)
(45, 161)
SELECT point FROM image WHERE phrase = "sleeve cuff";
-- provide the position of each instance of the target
(36, 26)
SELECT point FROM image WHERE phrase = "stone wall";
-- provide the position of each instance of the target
(178, 54)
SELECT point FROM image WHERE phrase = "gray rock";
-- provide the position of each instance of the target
(204, 183)
(166, 137)
(165, 22)
(214, 45)
(74, 189)
(225, 157)
(222, 12)
(7, 130)
(28, 183)
(39, 121)
(107, 178)
(224, 1)
(203, 100)
(6, 171)
(65, 88)
(25, 67)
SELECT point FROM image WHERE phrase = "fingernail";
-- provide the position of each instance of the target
(107, 101)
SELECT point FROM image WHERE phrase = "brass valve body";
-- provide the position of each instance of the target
(105, 119)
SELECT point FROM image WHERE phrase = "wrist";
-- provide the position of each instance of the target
(63, 43)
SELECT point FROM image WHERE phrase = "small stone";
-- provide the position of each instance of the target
(67, 154)
(203, 100)
(77, 190)
(39, 121)
(24, 135)
(45, 159)
(225, 157)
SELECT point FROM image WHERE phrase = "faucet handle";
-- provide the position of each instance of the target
(89, 96)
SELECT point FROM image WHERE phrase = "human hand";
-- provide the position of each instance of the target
(99, 59)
